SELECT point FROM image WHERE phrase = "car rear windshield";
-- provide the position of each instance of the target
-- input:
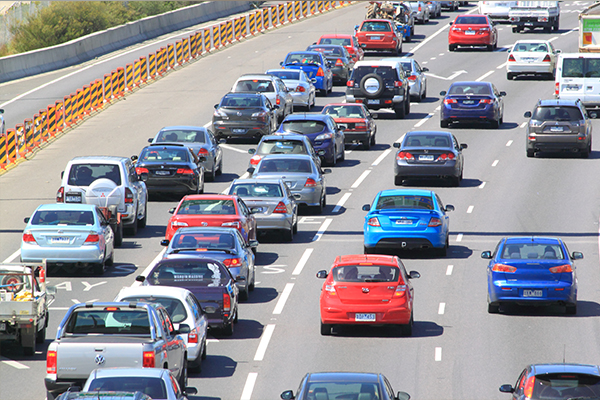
(338, 41)
(303, 58)
(345, 111)
(343, 390)
(281, 147)
(109, 320)
(287, 74)
(254, 85)
(375, 26)
(471, 88)
(153, 387)
(185, 273)
(532, 251)
(541, 47)
(387, 73)
(205, 240)
(328, 50)
(428, 141)
(85, 174)
(366, 273)
(404, 201)
(471, 21)
(175, 307)
(305, 127)
(207, 207)
(285, 165)
(184, 136)
(566, 386)
(407, 66)
(581, 68)
(557, 113)
(62, 218)
(257, 190)
(160, 154)
(241, 101)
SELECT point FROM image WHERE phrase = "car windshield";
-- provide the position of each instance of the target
(338, 41)
(567, 385)
(557, 113)
(344, 111)
(302, 58)
(281, 147)
(387, 73)
(285, 165)
(532, 251)
(85, 174)
(254, 85)
(203, 240)
(407, 66)
(257, 190)
(188, 273)
(366, 273)
(470, 21)
(175, 307)
(375, 26)
(404, 201)
(472, 88)
(328, 50)
(305, 127)
(241, 102)
(343, 390)
(161, 154)
(185, 136)
(427, 141)
(207, 207)
(63, 218)
(109, 320)
(153, 387)
(287, 74)
(537, 47)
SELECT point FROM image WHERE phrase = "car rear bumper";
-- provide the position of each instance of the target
(482, 114)
(379, 45)
(250, 129)
(60, 386)
(517, 68)
(560, 293)
(383, 315)
(475, 40)
(339, 73)
(300, 98)
(60, 255)
(384, 102)
(273, 221)
(558, 146)
(308, 196)
(183, 185)
(351, 137)
(404, 240)
(450, 168)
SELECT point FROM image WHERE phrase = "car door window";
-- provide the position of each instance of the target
(388, 389)
(417, 67)
(194, 306)
(101, 217)
(439, 201)
(520, 383)
(244, 210)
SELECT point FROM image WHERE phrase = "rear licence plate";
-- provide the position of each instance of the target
(468, 102)
(373, 101)
(532, 293)
(375, 37)
(403, 222)
(556, 129)
(2, 326)
(73, 198)
(239, 131)
(162, 173)
(469, 32)
(364, 317)
(60, 240)
(426, 157)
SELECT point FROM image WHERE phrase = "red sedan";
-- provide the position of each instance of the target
(472, 30)
(358, 121)
(367, 289)
(213, 210)
(348, 41)
(379, 34)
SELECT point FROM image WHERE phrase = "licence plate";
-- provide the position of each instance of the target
(61, 240)
(375, 37)
(2, 326)
(532, 293)
(163, 173)
(468, 102)
(241, 131)
(403, 222)
(364, 317)
(528, 23)
(426, 157)
(556, 129)
(469, 32)
(373, 101)
(73, 198)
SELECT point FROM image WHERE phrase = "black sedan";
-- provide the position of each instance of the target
(429, 155)
(341, 61)
(171, 168)
(344, 385)
(244, 115)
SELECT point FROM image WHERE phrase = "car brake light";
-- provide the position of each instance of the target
(511, 57)
(320, 72)
(128, 195)
(141, 170)
(60, 195)
(412, 78)
(373, 221)
(419, 8)
(330, 289)
(450, 101)
(185, 171)
(529, 385)
(486, 101)
(485, 29)
(397, 83)
(405, 155)
(446, 156)
(434, 221)
(193, 336)
(556, 88)
(232, 262)
(280, 209)
(255, 160)
(503, 268)
(234, 224)
(92, 238)
(300, 88)
(278, 101)
(226, 303)
(400, 291)
(310, 182)
(339, 63)
(360, 125)
(203, 152)
(547, 58)
(350, 83)
(456, 29)
(561, 268)
(28, 238)
(148, 359)
(51, 362)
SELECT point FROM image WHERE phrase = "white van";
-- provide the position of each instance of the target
(496, 9)
(578, 77)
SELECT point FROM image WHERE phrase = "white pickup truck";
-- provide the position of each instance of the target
(534, 14)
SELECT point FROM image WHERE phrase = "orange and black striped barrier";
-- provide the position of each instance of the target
(194, 45)
(313, 7)
(94, 95)
(161, 60)
(21, 140)
(206, 40)
(137, 72)
(121, 82)
(223, 34)
(266, 13)
(179, 51)
(28, 125)
(60, 115)
(229, 31)
(128, 76)
(68, 102)
(79, 106)
(186, 49)
(170, 55)
(289, 9)
(143, 70)
(216, 38)
(108, 82)
(304, 5)
(237, 28)
(3, 154)
(11, 145)
(297, 9)
(252, 22)
(37, 130)
(114, 84)
(100, 94)
(44, 126)
(320, 6)
(152, 65)
(51, 117)
(87, 98)
(280, 14)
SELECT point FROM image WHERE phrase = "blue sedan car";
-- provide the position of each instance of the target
(532, 271)
(472, 102)
(406, 219)
(315, 65)
(325, 135)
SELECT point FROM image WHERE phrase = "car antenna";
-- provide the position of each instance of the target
(564, 352)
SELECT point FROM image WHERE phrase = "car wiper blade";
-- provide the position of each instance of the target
(375, 280)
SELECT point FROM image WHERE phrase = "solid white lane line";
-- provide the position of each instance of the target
(342, 201)
(442, 29)
(567, 32)
(360, 179)
(12, 257)
(459, 237)
(523, 124)
(264, 342)
(381, 157)
(482, 185)
(495, 163)
(442, 308)
(449, 269)
(322, 229)
(58, 308)
(421, 122)
(150, 266)
(249, 386)
(482, 77)
(245, 175)
(212, 340)
(302, 261)
(438, 354)
(553, 39)
(284, 296)
(228, 147)
(502, 65)
(509, 143)
(470, 209)
(13, 364)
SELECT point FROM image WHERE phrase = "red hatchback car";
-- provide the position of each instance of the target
(213, 210)
(348, 41)
(379, 35)
(358, 120)
(367, 289)
(472, 30)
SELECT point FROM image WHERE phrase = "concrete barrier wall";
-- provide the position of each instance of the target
(99, 43)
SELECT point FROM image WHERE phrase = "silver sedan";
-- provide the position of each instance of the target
(435, 9)
(417, 80)
(272, 203)
(202, 142)
(300, 173)
(300, 86)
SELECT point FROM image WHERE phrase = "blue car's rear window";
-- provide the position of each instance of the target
(532, 251)
(405, 201)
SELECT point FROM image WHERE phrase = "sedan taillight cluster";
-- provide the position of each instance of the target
(405, 155)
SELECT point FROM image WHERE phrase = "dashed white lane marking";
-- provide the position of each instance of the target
(459, 237)
(158, 257)
(302, 262)
(342, 201)
(442, 29)
(523, 124)
(212, 340)
(249, 386)
(495, 163)
(264, 342)
(470, 209)
(482, 77)
(322, 229)
(567, 32)
(441, 54)
(421, 122)
(509, 143)
(13, 364)
(553, 39)
(12, 257)
(424, 62)
(360, 179)
(284, 296)
(226, 146)
(432, 58)
(442, 308)
(482, 185)
(381, 157)
(502, 65)
(438, 354)
(449, 269)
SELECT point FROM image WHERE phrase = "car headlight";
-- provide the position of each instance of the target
(324, 136)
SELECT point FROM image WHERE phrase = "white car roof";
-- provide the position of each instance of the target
(162, 291)
(369, 63)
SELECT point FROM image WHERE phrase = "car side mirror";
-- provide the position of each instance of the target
(449, 207)
(486, 254)
(253, 243)
(190, 390)
(164, 242)
(251, 151)
(577, 255)
(202, 158)
(414, 275)
(216, 106)
(355, 27)
(322, 274)
(527, 114)
(134, 157)
(366, 207)
(397, 145)
(403, 396)
(222, 140)
(424, 69)
(342, 127)
(280, 62)
(443, 93)
(296, 196)
(507, 389)
(450, 23)
(463, 146)
(314, 43)
(374, 116)
(326, 171)
(503, 93)
(26, 219)
(313, 80)
(558, 51)
(140, 278)
(172, 210)
(251, 170)
(150, 140)
(287, 395)
(143, 177)
(62, 174)
(183, 328)
(240, 278)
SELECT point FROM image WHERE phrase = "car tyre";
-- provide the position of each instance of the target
(510, 76)
(295, 227)
(40, 336)
(288, 235)
(407, 106)
(530, 153)
(493, 308)
(133, 228)
(244, 293)
(373, 140)
(119, 235)
(204, 351)
(398, 180)
(366, 144)
(183, 379)
(495, 124)
(407, 330)
(110, 260)
(366, 250)
(571, 309)
(586, 153)
(515, 30)
(220, 170)
(490, 47)
(228, 329)
(98, 268)
(451, 47)
(400, 111)
(142, 222)
(210, 176)
(325, 329)
(454, 181)
(443, 123)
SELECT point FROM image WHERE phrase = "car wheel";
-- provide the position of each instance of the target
(142, 222)
(196, 365)
(295, 227)
(442, 251)
(228, 329)
(119, 235)
(132, 229)
(510, 76)
(183, 378)
(515, 30)
(252, 284)
(451, 47)
(366, 144)
(490, 47)
(585, 153)
(209, 176)
(244, 293)
(400, 111)
(407, 106)
(219, 171)
(495, 124)
(454, 181)
(398, 180)
(547, 29)
(325, 329)
(204, 350)
(406, 330)
(530, 153)
(343, 155)
(29, 351)
(110, 260)
(373, 140)
(366, 250)
(424, 94)
(98, 268)
(571, 309)
(493, 308)
(333, 161)
(288, 235)
(40, 336)
(443, 123)
(319, 209)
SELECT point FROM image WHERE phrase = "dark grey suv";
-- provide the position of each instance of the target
(559, 125)
(379, 84)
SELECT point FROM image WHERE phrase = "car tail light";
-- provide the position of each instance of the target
(434, 221)
(450, 101)
(412, 78)
(504, 268)
(397, 83)
(360, 125)
(278, 101)
(141, 170)
(543, 19)
(261, 116)
(486, 101)
(226, 303)
(193, 336)
(556, 88)
(561, 268)
(419, 8)
(185, 171)
(300, 88)
(179, 223)
(330, 289)
(339, 63)
(51, 362)
(456, 29)
(255, 160)
(28, 238)
(511, 57)
(148, 359)
(400, 291)
(350, 83)
(128, 195)
(405, 155)
(529, 385)
(485, 29)
(446, 156)
(232, 262)
(320, 72)
(280, 209)
(60, 195)
(547, 58)
(92, 238)
(310, 182)
(232, 224)
(373, 221)
(202, 152)
(532, 137)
